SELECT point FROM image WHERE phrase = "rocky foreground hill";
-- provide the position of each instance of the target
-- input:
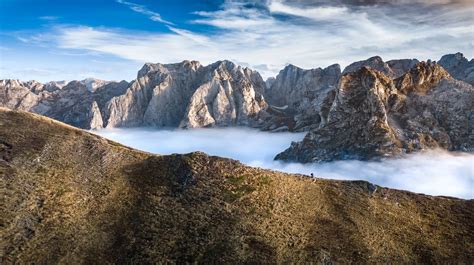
(372, 108)
(72, 197)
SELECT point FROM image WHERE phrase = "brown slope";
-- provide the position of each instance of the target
(73, 197)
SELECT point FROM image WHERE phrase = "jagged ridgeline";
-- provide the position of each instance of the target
(72, 197)
(370, 109)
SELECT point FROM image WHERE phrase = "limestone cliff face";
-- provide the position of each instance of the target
(158, 96)
(185, 95)
(228, 95)
(15, 94)
(72, 103)
(307, 95)
(379, 107)
(189, 95)
(435, 109)
(373, 115)
(302, 92)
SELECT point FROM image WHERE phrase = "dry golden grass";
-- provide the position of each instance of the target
(71, 197)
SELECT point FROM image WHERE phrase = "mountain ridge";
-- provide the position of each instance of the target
(375, 116)
(74, 197)
(224, 94)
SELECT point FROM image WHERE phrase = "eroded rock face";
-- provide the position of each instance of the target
(458, 67)
(401, 66)
(72, 103)
(185, 95)
(373, 115)
(92, 83)
(15, 94)
(298, 94)
(158, 97)
(228, 95)
(393, 68)
(375, 62)
(189, 95)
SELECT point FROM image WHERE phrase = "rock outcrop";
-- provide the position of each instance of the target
(92, 83)
(228, 95)
(189, 95)
(373, 116)
(393, 68)
(158, 97)
(72, 197)
(185, 95)
(73, 103)
(458, 67)
(15, 94)
(299, 95)
(374, 108)
(401, 66)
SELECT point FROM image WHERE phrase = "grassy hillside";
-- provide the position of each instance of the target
(72, 197)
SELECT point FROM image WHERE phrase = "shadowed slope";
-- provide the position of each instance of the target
(74, 197)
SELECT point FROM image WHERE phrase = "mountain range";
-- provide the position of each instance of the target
(368, 110)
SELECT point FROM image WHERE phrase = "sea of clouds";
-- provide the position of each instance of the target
(434, 172)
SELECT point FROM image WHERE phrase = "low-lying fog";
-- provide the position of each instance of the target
(433, 172)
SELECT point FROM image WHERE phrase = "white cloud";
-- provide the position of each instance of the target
(315, 13)
(281, 33)
(145, 11)
(234, 16)
(435, 172)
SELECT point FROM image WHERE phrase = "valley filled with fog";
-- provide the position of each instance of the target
(432, 172)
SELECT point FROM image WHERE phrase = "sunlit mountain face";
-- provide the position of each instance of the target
(107, 39)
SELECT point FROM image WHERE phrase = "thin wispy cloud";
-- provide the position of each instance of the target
(48, 18)
(257, 36)
(267, 35)
(145, 11)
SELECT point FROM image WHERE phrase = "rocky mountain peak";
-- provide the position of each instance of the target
(223, 69)
(373, 115)
(92, 83)
(453, 59)
(298, 95)
(76, 86)
(401, 66)
(458, 66)
(8, 83)
(334, 69)
(291, 68)
(364, 79)
(375, 62)
(54, 85)
(148, 68)
(392, 68)
(421, 78)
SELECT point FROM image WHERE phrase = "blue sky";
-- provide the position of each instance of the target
(111, 39)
